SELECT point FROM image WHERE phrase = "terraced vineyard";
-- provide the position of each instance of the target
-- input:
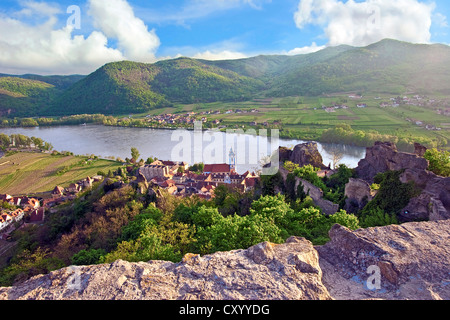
(28, 173)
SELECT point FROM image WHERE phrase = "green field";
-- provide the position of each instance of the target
(304, 117)
(28, 173)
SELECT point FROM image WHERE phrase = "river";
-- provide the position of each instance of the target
(182, 145)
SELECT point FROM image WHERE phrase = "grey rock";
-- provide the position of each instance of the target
(358, 194)
(302, 154)
(411, 261)
(287, 271)
(383, 156)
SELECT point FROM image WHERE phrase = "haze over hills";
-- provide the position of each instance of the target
(388, 66)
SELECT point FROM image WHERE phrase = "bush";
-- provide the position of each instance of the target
(87, 257)
(392, 196)
(439, 162)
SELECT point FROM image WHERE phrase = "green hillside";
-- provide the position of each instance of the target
(187, 80)
(389, 66)
(386, 67)
(130, 87)
(116, 88)
(24, 97)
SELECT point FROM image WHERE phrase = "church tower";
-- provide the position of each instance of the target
(232, 160)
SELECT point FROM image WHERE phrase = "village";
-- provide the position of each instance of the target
(17, 209)
(174, 177)
(179, 181)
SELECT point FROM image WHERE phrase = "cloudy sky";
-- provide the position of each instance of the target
(79, 36)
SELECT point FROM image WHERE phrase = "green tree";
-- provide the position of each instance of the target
(135, 154)
(376, 217)
(88, 257)
(439, 161)
(392, 196)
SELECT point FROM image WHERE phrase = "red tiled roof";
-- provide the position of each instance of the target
(216, 168)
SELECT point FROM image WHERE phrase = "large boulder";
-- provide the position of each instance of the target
(433, 202)
(383, 156)
(397, 262)
(358, 193)
(302, 154)
(409, 261)
(316, 194)
(265, 271)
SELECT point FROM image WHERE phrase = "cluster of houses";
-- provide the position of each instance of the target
(334, 107)
(444, 112)
(416, 100)
(23, 207)
(169, 118)
(33, 210)
(60, 195)
(176, 178)
(190, 117)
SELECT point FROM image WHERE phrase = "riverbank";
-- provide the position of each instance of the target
(112, 142)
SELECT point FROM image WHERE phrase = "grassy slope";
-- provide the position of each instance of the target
(26, 173)
(24, 97)
(128, 87)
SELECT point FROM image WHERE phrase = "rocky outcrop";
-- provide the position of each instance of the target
(419, 149)
(383, 156)
(410, 261)
(314, 192)
(433, 203)
(433, 200)
(263, 272)
(302, 154)
(358, 193)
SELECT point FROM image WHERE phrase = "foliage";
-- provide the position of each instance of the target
(314, 226)
(376, 217)
(392, 196)
(336, 184)
(439, 161)
(28, 264)
(88, 257)
(135, 154)
(197, 167)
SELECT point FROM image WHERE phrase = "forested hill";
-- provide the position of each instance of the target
(122, 87)
(388, 66)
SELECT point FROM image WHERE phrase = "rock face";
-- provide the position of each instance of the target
(410, 261)
(434, 201)
(358, 194)
(314, 192)
(264, 271)
(383, 156)
(303, 154)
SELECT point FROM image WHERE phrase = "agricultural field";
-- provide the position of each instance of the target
(306, 115)
(25, 173)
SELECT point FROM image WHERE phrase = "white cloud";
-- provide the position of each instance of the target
(31, 7)
(305, 50)
(117, 20)
(219, 55)
(45, 48)
(440, 20)
(366, 22)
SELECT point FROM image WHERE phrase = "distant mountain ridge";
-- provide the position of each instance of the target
(388, 66)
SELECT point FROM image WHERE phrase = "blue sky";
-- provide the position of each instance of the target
(43, 37)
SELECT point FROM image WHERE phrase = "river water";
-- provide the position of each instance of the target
(177, 145)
